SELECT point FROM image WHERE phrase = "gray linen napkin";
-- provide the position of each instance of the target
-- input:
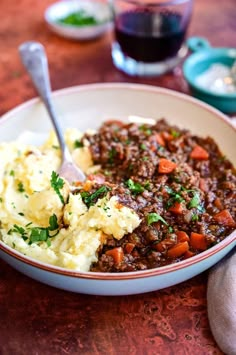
(221, 303)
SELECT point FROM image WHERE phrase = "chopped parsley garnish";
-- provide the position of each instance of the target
(19, 230)
(79, 18)
(1, 200)
(194, 217)
(174, 133)
(155, 217)
(37, 234)
(53, 225)
(174, 197)
(145, 129)
(111, 155)
(90, 198)
(134, 187)
(20, 187)
(21, 214)
(143, 146)
(57, 184)
(107, 173)
(195, 201)
(12, 173)
(78, 144)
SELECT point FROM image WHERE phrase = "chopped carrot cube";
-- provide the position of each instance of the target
(177, 208)
(160, 139)
(182, 236)
(198, 241)
(166, 166)
(117, 254)
(199, 153)
(224, 217)
(188, 254)
(167, 136)
(218, 203)
(129, 247)
(178, 250)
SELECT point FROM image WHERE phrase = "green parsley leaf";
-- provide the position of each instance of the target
(90, 199)
(19, 230)
(145, 129)
(78, 144)
(128, 141)
(195, 201)
(143, 146)
(111, 155)
(134, 187)
(12, 173)
(38, 235)
(155, 217)
(53, 225)
(174, 197)
(194, 217)
(20, 187)
(57, 183)
(174, 133)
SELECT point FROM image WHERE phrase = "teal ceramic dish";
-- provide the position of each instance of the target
(201, 60)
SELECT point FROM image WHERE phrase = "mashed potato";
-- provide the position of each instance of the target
(42, 218)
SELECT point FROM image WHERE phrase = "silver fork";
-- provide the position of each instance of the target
(35, 61)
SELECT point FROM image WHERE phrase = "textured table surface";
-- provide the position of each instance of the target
(38, 319)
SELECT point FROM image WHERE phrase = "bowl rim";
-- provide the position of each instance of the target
(197, 57)
(103, 276)
(68, 3)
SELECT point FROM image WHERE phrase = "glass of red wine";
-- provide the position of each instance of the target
(149, 35)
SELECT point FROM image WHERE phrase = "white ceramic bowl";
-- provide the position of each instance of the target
(87, 106)
(99, 9)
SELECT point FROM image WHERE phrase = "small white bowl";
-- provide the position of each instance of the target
(61, 9)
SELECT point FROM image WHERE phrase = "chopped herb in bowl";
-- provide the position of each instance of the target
(79, 18)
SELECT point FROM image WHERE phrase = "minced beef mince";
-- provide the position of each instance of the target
(180, 185)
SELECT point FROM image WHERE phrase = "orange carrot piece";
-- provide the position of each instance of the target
(117, 254)
(177, 208)
(224, 217)
(129, 247)
(188, 254)
(182, 236)
(199, 153)
(178, 250)
(159, 139)
(218, 203)
(166, 166)
(167, 136)
(87, 185)
(163, 245)
(198, 241)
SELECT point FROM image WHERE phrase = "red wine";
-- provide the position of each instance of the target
(149, 36)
